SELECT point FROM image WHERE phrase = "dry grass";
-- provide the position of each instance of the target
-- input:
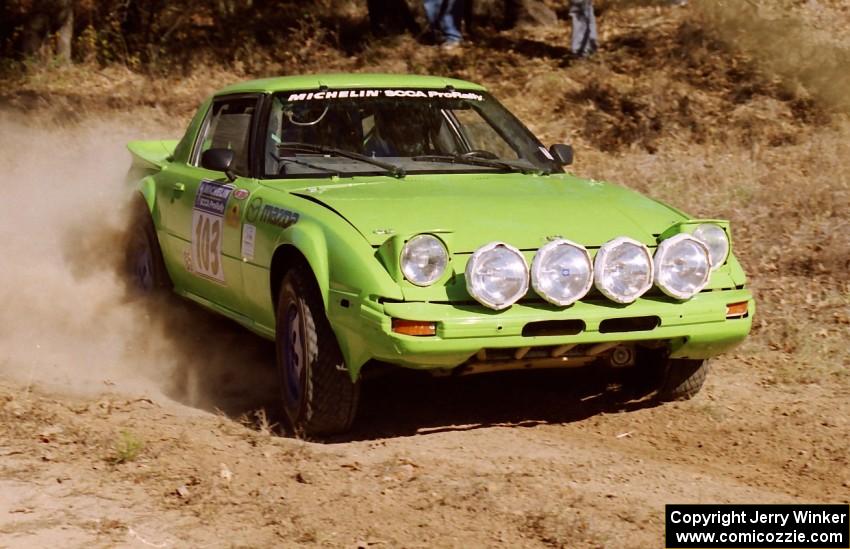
(126, 448)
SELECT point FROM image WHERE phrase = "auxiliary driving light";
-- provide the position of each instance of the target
(562, 272)
(623, 270)
(682, 266)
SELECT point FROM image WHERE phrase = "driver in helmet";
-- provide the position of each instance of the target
(397, 132)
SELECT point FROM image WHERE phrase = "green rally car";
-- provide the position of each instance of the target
(414, 221)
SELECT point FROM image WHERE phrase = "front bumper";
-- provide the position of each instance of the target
(697, 328)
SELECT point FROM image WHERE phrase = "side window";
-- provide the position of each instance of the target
(228, 126)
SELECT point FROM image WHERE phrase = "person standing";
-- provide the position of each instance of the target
(584, 37)
(444, 18)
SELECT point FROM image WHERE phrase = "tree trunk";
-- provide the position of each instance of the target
(66, 31)
(469, 16)
(528, 12)
(35, 33)
(513, 13)
(391, 17)
(46, 19)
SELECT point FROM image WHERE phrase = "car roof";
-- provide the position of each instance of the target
(346, 80)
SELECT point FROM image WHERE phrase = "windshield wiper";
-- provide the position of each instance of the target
(302, 163)
(475, 161)
(395, 171)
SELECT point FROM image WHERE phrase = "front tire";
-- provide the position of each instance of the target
(682, 379)
(317, 394)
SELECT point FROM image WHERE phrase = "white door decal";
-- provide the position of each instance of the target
(207, 229)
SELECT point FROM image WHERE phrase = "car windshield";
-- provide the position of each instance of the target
(323, 133)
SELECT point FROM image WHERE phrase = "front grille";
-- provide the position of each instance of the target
(632, 324)
(553, 328)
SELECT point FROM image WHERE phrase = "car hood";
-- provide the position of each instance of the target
(474, 209)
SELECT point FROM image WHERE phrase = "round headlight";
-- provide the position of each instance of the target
(497, 275)
(717, 242)
(623, 270)
(424, 259)
(562, 272)
(682, 266)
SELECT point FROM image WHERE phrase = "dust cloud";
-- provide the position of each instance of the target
(67, 321)
(810, 57)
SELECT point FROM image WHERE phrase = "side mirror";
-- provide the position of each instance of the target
(563, 154)
(219, 160)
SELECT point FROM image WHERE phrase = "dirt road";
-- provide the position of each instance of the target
(513, 460)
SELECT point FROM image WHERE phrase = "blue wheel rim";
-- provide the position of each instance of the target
(295, 353)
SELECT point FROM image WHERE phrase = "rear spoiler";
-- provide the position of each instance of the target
(151, 154)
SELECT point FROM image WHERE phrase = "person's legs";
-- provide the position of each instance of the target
(593, 37)
(442, 17)
(450, 21)
(459, 14)
(584, 37)
(432, 11)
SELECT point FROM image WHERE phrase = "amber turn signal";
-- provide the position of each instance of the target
(737, 310)
(414, 327)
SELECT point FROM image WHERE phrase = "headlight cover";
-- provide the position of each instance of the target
(424, 259)
(562, 272)
(497, 275)
(717, 242)
(682, 266)
(623, 270)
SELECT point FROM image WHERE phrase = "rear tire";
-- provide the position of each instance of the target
(144, 265)
(317, 394)
(682, 379)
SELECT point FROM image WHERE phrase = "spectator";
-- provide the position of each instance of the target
(584, 39)
(444, 18)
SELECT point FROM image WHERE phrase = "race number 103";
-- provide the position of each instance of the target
(207, 245)
(207, 218)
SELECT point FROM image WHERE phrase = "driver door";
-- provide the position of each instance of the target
(204, 209)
